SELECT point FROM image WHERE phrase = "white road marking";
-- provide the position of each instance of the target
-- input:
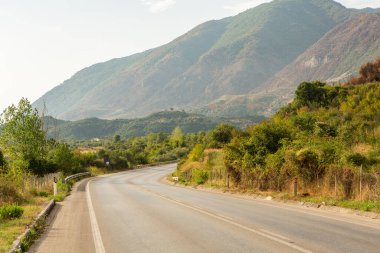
(271, 236)
(99, 247)
(275, 234)
(374, 223)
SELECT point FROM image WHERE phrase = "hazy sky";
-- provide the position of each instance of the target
(44, 42)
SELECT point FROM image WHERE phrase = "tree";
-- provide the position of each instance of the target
(308, 93)
(221, 135)
(176, 138)
(22, 137)
(64, 159)
(117, 138)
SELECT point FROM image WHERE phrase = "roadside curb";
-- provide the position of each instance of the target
(16, 246)
(321, 206)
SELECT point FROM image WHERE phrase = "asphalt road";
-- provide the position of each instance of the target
(136, 212)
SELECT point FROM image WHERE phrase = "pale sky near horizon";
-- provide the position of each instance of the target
(45, 42)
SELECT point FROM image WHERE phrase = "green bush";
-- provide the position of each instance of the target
(199, 176)
(59, 197)
(11, 211)
(308, 164)
(27, 241)
(197, 153)
(64, 187)
(43, 194)
(33, 234)
(357, 159)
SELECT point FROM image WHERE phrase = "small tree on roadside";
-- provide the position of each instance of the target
(64, 159)
(176, 138)
(22, 138)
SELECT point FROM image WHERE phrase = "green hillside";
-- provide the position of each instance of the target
(232, 56)
(83, 129)
(328, 137)
(161, 122)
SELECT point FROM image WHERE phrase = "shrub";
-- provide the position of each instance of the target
(308, 93)
(64, 187)
(197, 153)
(326, 130)
(33, 234)
(8, 191)
(43, 194)
(199, 176)
(222, 134)
(308, 164)
(11, 211)
(347, 182)
(305, 122)
(357, 159)
(369, 72)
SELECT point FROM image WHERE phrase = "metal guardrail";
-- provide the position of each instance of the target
(77, 175)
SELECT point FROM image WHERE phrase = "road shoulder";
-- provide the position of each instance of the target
(328, 211)
(68, 225)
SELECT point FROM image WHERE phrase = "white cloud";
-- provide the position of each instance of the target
(158, 5)
(242, 6)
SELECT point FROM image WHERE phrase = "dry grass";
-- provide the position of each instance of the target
(362, 148)
(11, 229)
(377, 132)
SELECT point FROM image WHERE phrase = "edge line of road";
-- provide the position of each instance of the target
(98, 242)
(271, 236)
(350, 218)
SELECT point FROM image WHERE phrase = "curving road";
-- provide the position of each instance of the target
(135, 212)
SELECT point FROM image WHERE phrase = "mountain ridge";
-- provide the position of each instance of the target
(334, 58)
(228, 57)
(159, 122)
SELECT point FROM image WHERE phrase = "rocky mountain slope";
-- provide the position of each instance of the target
(228, 57)
(334, 58)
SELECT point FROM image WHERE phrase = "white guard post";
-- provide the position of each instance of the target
(55, 186)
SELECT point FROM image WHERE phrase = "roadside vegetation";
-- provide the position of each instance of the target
(28, 164)
(152, 148)
(328, 138)
(29, 161)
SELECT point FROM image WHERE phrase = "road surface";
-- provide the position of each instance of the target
(135, 211)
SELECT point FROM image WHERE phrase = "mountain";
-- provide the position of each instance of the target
(334, 58)
(82, 129)
(229, 57)
(371, 10)
(161, 122)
